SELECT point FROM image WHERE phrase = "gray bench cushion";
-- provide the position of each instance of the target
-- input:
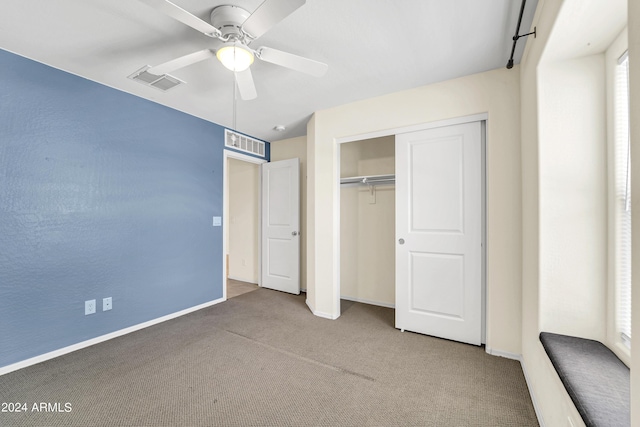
(596, 380)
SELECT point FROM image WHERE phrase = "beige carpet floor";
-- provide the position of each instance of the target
(262, 359)
(237, 287)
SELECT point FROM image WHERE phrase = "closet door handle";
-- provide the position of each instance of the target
(401, 241)
(294, 233)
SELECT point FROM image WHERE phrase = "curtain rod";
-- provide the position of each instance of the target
(516, 36)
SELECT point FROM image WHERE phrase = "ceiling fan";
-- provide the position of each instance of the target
(236, 28)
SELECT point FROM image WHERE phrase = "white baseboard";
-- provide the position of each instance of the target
(242, 280)
(360, 300)
(320, 313)
(519, 358)
(366, 301)
(536, 407)
(505, 354)
(102, 338)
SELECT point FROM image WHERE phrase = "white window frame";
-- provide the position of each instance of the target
(622, 165)
(619, 190)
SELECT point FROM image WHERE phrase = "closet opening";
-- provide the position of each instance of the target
(367, 222)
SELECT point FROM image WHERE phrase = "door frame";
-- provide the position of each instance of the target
(230, 154)
(482, 118)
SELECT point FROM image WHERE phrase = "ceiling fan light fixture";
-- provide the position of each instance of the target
(235, 58)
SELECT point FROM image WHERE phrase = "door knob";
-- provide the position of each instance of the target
(401, 241)
(294, 233)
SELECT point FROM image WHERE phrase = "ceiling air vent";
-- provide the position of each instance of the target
(163, 82)
(243, 143)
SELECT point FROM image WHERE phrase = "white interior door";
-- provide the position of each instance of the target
(439, 232)
(281, 225)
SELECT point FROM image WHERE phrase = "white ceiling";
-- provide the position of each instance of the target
(372, 47)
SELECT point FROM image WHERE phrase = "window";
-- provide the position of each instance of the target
(622, 188)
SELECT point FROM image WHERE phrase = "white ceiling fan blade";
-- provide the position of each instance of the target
(269, 14)
(181, 62)
(247, 88)
(179, 14)
(294, 62)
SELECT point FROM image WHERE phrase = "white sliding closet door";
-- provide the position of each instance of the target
(439, 232)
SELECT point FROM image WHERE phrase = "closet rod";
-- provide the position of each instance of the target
(372, 179)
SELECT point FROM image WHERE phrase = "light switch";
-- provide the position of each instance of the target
(217, 221)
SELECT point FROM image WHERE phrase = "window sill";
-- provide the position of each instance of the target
(623, 352)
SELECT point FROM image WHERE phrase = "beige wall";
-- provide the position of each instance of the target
(243, 220)
(573, 197)
(290, 149)
(563, 171)
(634, 63)
(367, 223)
(496, 93)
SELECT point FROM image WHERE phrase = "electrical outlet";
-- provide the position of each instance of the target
(106, 304)
(89, 307)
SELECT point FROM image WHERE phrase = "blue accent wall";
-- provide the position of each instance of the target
(102, 194)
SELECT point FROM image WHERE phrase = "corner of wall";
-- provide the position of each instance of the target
(311, 213)
(531, 350)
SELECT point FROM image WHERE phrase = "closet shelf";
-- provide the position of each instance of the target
(369, 179)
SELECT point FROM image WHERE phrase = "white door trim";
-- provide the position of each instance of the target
(413, 128)
(481, 117)
(230, 154)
